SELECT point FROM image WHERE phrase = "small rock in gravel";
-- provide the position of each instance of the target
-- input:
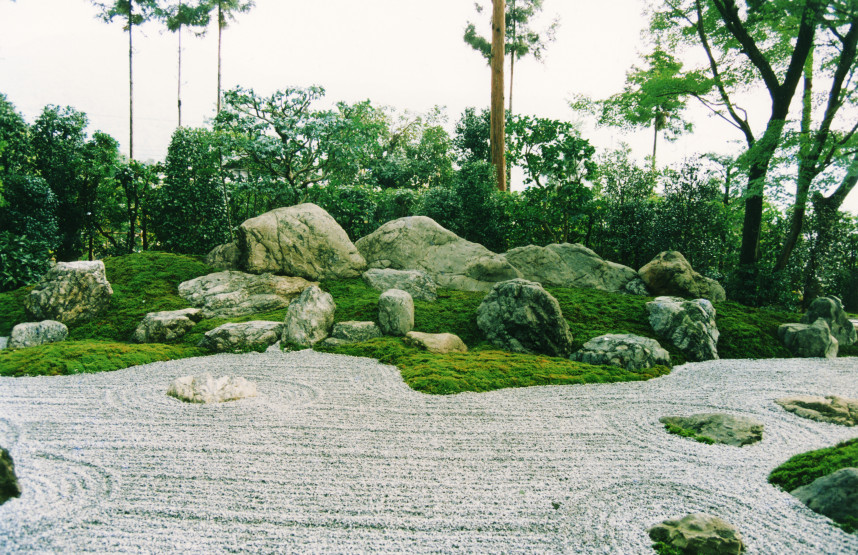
(831, 408)
(9, 486)
(834, 495)
(205, 389)
(722, 428)
(699, 534)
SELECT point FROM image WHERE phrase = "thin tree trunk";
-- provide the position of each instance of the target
(179, 87)
(498, 118)
(654, 140)
(130, 82)
(512, 55)
(219, 40)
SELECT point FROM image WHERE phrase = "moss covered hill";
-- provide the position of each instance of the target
(148, 282)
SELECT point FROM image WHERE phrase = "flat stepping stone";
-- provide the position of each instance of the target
(831, 408)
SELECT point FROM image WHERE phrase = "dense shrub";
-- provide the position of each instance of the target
(22, 260)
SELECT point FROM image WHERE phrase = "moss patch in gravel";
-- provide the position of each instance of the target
(690, 434)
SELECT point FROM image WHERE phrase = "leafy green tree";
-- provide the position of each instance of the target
(14, 142)
(133, 13)
(191, 216)
(178, 16)
(471, 139)
(31, 209)
(227, 10)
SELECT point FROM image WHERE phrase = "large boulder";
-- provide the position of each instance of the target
(439, 343)
(831, 310)
(834, 495)
(521, 316)
(31, 334)
(309, 318)
(224, 257)
(669, 273)
(831, 408)
(568, 265)
(245, 336)
(70, 292)
(721, 428)
(416, 282)
(206, 389)
(9, 486)
(166, 326)
(628, 351)
(395, 312)
(689, 325)
(301, 240)
(809, 341)
(698, 534)
(419, 243)
(229, 294)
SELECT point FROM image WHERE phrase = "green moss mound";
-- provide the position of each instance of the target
(690, 434)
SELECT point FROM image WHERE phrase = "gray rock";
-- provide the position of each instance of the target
(669, 273)
(301, 240)
(521, 316)
(4, 342)
(355, 332)
(699, 534)
(419, 243)
(244, 336)
(229, 294)
(334, 342)
(439, 343)
(309, 318)
(395, 312)
(834, 495)
(809, 341)
(416, 282)
(628, 351)
(689, 325)
(275, 348)
(9, 486)
(831, 310)
(205, 389)
(831, 408)
(567, 265)
(723, 428)
(636, 287)
(70, 292)
(166, 326)
(224, 257)
(31, 334)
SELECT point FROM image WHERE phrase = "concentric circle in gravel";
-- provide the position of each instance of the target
(338, 455)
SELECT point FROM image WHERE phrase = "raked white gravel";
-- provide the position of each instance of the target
(338, 455)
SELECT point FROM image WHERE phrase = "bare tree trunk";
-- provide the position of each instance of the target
(498, 118)
(179, 90)
(220, 23)
(130, 82)
(654, 140)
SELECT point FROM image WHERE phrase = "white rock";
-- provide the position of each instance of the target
(205, 389)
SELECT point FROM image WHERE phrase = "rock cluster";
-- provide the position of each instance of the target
(722, 428)
(699, 534)
(395, 312)
(809, 340)
(439, 343)
(166, 326)
(567, 265)
(669, 273)
(244, 336)
(831, 310)
(521, 316)
(229, 294)
(302, 240)
(419, 243)
(9, 486)
(628, 351)
(309, 318)
(206, 389)
(31, 334)
(70, 292)
(416, 282)
(689, 325)
(831, 408)
(834, 495)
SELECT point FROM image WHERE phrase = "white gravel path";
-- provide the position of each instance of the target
(338, 455)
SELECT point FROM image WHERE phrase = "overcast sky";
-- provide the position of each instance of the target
(408, 54)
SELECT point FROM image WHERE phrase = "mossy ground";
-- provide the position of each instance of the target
(148, 282)
(690, 434)
(803, 469)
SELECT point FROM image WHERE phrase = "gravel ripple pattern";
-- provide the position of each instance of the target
(338, 455)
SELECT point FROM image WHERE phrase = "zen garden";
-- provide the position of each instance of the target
(341, 327)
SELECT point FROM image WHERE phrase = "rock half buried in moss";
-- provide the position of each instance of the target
(70, 292)
(9, 486)
(809, 340)
(699, 534)
(831, 408)
(721, 428)
(243, 336)
(690, 325)
(31, 334)
(834, 495)
(628, 351)
(831, 310)
(206, 389)
(439, 343)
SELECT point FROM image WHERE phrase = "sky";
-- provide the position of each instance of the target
(407, 54)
